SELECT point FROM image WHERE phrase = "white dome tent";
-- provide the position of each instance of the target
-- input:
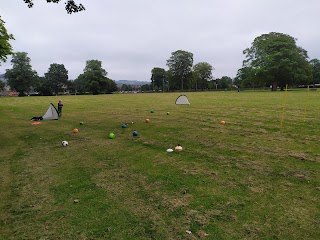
(182, 99)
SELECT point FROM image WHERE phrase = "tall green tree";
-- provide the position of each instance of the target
(224, 82)
(42, 85)
(57, 77)
(95, 76)
(315, 65)
(276, 58)
(145, 87)
(70, 86)
(94, 79)
(71, 6)
(80, 84)
(21, 77)
(2, 85)
(5, 46)
(203, 74)
(180, 66)
(158, 77)
(246, 78)
(124, 87)
(111, 86)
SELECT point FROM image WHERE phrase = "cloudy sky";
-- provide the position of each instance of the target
(131, 37)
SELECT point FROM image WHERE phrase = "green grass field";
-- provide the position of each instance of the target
(247, 179)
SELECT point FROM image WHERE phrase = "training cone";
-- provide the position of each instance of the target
(222, 122)
(75, 130)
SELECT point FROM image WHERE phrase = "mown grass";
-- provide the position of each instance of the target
(247, 179)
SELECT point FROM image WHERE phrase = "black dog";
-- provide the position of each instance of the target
(37, 118)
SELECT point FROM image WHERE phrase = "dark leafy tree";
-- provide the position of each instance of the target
(202, 72)
(112, 86)
(2, 85)
(180, 67)
(146, 87)
(158, 78)
(94, 87)
(173, 81)
(21, 77)
(57, 76)
(5, 46)
(95, 75)
(224, 82)
(94, 79)
(80, 84)
(315, 65)
(124, 87)
(242, 75)
(276, 58)
(246, 78)
(42, 85)
(212, 84)
(70, 86)
(71, 6)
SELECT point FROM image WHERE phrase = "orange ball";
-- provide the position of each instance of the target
(75, 130)
(147, 120)
(222, 122)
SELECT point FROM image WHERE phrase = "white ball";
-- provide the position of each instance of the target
(64, 143)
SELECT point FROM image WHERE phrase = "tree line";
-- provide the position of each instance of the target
(274, 59)
(183, 75)
(24, 79)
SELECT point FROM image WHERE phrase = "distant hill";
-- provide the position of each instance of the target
(132, 82)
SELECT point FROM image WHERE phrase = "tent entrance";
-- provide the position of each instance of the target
(182, 99)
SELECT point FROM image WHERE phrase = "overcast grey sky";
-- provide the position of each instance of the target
(131, 37)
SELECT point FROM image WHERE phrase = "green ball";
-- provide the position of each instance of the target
(112, 135)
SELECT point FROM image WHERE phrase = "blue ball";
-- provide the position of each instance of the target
(124, 125)
(135, 133)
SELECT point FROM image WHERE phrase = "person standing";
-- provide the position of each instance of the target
(60, 105)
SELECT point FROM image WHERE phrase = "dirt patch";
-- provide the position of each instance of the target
(303, 156)
(298, 175)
